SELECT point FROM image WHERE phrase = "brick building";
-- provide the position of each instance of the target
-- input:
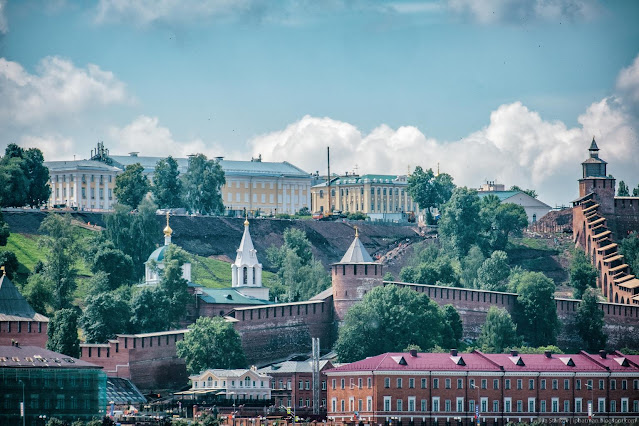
(599, 220)
(18, 321)
(292, 385)
(442, 388)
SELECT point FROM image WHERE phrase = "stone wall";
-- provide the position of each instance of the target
(278, 331)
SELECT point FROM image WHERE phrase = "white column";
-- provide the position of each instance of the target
(67, 179)
(76, 190)
(249, 276)
(258, 278)
(233, 275)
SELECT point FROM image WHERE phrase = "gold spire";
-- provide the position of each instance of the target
(167, 231)
(356, 232)
(4, 271)
(246, 222)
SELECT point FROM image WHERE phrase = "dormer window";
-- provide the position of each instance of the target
(568, 361)
(400, 360)
(458, 360)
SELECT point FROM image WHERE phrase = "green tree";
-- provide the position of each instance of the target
(622, 190)
(59, 240)
(14, 183)
(582, 274)
(105, 315)
(498, 332)
(148, 311)
(172, 285)
(388, 276)
(536, 313)
(590, 322)
(494, 272)
(428, 190)
(510, 219)
(63, 333)
(38, 175)
(460, 221)
(167, 186)
(211, 343)
(389, 319)
(9, 260)
(131, 186)
(117, 265)
(530, 192)
(454, 330)
(635, 191)
(135, 234)
(629, 247)
(470, 264)
(39, 292)
(4, 231)
(202, 183)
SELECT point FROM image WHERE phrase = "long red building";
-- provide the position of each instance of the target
(454, 388)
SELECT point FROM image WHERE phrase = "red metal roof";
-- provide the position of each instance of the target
(423, 361)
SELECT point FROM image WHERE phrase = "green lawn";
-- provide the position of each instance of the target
(25, 247)
(215, 273)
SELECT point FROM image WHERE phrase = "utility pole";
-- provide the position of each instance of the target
(316, 375)
(328, 180)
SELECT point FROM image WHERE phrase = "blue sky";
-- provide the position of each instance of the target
(499, 90)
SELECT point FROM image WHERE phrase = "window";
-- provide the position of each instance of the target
(613, 385)
(578, 407)
(542, 406)
(411, 383)
(507, 384)
(566, 406)
(531, 384)
(423, 405)
(635, 406)
(471, 405)
(555, 384)
(635, 384)
(387, 403)
(460, 383)
(495, 406)
(447, 406)
(333, 384)
(578, 384)
(566, 384)
(343, 383)
(543, 384)
(387, 382)
(531, 405)
(323, 384)
(369, 403)
(507, 405)
(333, 405)
(624, 384)
(399, 405)
(495, 383)
(423, 383)
(460, 404)
(342, 405)
(447, 382)
(399, 383)
(613, 406)
(520, 406)
(520, 384)
(308, 385)
(555, 405)
(301, 385)
(624, 405)
(435, 383)
(369, 382)
(484, 384)
(436, 403)
(484, 405)
(601, 385)
(359, 383)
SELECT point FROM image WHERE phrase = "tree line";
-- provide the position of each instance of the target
(24, 180)
(624, 191)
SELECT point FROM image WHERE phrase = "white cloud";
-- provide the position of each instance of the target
(146, 12)
(518, 147)
(628, 81)
(58, 89)
(4, 23)
(516, 11)
(53, 146)
(145, 135)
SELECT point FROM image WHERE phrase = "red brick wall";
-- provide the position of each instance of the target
(275, 332)
(20, 332)
(351, 282)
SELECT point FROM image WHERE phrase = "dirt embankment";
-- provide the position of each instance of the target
(220, 236)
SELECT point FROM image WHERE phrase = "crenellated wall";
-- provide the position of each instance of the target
(26, 333)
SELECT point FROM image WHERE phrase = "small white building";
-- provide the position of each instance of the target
(155, 262)
(246, 270)
(534, 208)
(240, 384)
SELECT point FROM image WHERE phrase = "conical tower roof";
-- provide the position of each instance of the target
(246, 253)
(356, 253)
(593, 145)
(13, 306)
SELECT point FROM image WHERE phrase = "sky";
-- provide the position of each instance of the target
(506, 91)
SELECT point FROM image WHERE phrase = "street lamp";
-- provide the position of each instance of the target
(23, 405)
(472, 385)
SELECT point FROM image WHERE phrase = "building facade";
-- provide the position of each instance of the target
(237, 384)
(534, 208)
(52, 385)
(600, 220)
(380, 197)
(455, 388)
(18, 321)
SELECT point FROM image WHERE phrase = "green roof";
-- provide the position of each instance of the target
(228, 296)
(354, 179)
(158, 254)
(502, 195)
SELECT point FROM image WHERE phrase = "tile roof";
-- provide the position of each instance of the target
(356, 253)
(36, 357)
(13, 306)
(228, 296)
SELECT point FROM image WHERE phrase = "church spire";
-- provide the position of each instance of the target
(167, 231)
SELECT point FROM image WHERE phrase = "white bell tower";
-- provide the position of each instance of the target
(246, 270)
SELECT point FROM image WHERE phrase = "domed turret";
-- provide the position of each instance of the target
(167, 231)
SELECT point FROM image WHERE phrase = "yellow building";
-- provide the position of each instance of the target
(256, 185)
(380, 197)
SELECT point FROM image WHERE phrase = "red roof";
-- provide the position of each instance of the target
(478, 361)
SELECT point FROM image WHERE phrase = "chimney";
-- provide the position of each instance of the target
(602, 354)
(453, 352)
(548, 354)
(513, 353)
(413, 352)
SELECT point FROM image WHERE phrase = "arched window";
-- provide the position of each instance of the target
(209, 382)
(247, 381)
(254, 277)
(534, 217)
(245, 275)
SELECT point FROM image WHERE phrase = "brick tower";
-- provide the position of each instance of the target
(595, 181)
(354, 276)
